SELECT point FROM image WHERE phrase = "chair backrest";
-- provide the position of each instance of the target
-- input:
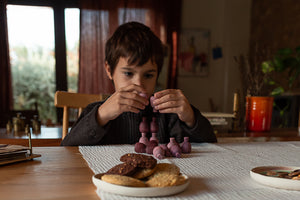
(78, 101)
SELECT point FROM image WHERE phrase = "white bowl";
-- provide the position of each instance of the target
(283, 183)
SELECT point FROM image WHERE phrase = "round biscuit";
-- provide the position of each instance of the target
(166, 168)
(143, 173)
(122, 180)
(166, 180)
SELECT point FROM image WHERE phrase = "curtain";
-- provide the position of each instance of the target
(99, 19)
(5, 74)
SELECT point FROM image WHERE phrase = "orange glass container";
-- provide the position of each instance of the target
(259, 113)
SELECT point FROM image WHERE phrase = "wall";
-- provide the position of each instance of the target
(229, 23)
(275, 24)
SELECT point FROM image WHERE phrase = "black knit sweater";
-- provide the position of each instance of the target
(125, 128)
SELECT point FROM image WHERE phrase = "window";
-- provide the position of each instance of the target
(31, 43)
(72, 39)
(38, 53)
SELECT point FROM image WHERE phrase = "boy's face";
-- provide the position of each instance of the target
(124, 75)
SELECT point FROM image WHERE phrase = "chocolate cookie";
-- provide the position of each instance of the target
(125, 169)
(139, 160)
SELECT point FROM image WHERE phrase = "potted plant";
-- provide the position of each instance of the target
(261, 76)
(285, 63)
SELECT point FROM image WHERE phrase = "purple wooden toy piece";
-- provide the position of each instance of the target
(154, 138)
(144, 127)
(159, 152)
(172, 142)
(143, 95)
(167, 151)
(152, 98)
(186, 146)
(150, 146)
(144, 139)
(153, 125)
(176, 151)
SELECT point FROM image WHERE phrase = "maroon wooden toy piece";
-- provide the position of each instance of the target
(140, 147)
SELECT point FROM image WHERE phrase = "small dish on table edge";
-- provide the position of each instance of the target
(138, 191)
(276, 182)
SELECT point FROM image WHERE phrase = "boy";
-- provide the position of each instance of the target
(133, 61)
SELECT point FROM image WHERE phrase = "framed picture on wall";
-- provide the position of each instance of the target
(193, 58)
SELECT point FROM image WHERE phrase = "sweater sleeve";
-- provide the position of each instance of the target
(86, 130)
(202, 131)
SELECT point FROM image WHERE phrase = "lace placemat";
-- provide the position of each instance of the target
(216, 171)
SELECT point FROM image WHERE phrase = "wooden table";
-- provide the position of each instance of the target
(48, 136)
(60, 173)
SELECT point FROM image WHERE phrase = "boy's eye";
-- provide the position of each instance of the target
(148, 76)
(128, 73)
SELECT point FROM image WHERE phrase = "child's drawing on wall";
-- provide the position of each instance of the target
(193, 52)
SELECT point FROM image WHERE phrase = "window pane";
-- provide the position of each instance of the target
(72, 38)
(31, 43)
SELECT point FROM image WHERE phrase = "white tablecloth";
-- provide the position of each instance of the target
(216, 171)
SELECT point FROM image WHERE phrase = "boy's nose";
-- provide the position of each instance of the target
(138, 81)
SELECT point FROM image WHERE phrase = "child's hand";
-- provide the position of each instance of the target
(174, 101)
(127, 99)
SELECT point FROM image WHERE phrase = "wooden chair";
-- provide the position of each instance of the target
(78, 101)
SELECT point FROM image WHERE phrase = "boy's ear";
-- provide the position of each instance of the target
(108, 71)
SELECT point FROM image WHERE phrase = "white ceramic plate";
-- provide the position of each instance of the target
(138, 191)
(258, 174)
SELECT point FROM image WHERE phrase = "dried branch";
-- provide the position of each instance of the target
(252, 76)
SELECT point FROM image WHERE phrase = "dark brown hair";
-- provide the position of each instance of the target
(136, 42)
